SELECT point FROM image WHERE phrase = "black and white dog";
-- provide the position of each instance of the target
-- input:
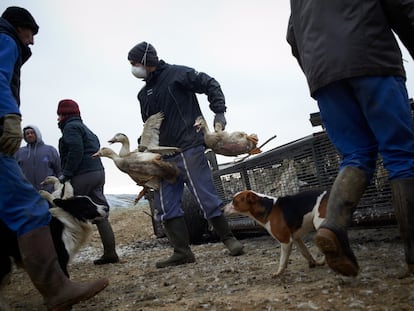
(70, 227)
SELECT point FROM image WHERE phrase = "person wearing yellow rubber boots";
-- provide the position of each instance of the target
(21, 207)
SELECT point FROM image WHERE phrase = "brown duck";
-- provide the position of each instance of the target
(147, 169)
(145, 164)
(225, 143)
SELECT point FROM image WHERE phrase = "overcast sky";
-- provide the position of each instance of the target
(81, 52)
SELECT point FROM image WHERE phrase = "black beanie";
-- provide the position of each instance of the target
(144, 53)
(19, 17)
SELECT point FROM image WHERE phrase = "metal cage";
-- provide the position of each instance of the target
(307, 163)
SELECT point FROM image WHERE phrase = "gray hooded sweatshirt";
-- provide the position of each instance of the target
(38, 160)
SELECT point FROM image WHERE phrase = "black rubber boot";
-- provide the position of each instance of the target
(222, 229)
(40, 262)
(108, 242)
(332, 236)
(403, 203)
(177, 233)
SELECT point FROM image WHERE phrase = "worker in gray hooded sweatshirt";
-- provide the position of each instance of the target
(38, 160)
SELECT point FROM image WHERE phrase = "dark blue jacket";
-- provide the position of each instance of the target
(13, 55)
(76, 147)
(172, 89)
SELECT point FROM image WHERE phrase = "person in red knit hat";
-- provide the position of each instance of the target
(85, 173)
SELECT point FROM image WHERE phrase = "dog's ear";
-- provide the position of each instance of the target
(251, 197)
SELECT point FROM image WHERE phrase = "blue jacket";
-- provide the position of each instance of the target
(13, 54)
(172, 89)
(76, 147)
(38, 160)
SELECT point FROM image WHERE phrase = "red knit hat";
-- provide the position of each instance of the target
(68, 107)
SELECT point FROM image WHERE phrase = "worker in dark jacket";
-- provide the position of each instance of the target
(172, 90)
(85, 173)
(354, 69)
(22, 209)
(37, 159)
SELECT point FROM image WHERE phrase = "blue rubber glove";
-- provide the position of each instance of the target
(220, 118)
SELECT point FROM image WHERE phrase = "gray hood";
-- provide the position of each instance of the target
(37, 131)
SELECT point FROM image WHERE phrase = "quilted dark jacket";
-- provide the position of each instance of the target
(76, 147)
(24, 55)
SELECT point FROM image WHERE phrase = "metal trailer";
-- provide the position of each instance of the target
(307, 163)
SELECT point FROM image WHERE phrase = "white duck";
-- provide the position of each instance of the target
(61, 191)
(147, 169)
(123, 139)
(225, 143)
(148, 150)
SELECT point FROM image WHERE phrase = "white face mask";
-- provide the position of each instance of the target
(139, 72)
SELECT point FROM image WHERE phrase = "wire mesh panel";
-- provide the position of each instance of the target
(308, 163)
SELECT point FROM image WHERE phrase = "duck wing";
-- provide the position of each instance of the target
(147, 173)
(153, 183)
(150, 135)
(163, 150)
(140, 172)
(155, 168)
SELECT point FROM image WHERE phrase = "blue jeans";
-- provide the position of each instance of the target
(22, 209)
(196, 173)
(369, 115)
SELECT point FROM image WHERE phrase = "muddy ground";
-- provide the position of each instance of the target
(220, 282)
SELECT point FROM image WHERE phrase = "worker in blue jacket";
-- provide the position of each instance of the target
(172, 89)
(21, 207)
